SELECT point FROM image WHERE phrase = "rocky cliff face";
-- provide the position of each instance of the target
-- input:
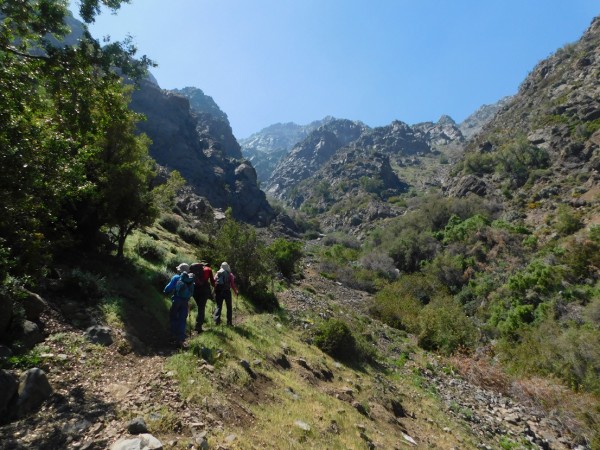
(309, 155)
(476, 121)
(265, 148)
(550, 130)
(212, 122)
(443, 132)
(201, 147)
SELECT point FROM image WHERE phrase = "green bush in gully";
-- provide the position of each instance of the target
(335, 338)
(286, 255)
(514, 159)
(549, 321)
(170, 222)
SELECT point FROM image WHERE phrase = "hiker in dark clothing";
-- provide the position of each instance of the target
(224, 283)
(182, 288)
(203, 279)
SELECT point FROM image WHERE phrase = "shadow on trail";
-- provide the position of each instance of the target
(66, 418)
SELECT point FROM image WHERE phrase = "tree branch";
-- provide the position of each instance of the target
(13, 50)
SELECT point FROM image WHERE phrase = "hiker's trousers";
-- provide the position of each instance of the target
(223, 294)
(178, 315)
(201, 296)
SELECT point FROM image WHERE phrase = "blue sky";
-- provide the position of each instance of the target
(269, 61)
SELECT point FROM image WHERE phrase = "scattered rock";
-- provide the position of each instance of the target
(408, 439)
(302, 425)
(33, 304)
(360, 408)
(30, 334)
(34, 389)
(137, 426)
(5, 352)
(101, 335)
(6, 312)
(282, 361)
(142, 442)
(76, 427)
(8, 389)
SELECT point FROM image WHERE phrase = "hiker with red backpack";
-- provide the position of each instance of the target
(203, 279)
(224, 283)
(182, 288)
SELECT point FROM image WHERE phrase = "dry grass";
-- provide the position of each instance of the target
(481, 371)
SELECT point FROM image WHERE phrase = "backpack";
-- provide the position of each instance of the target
(183, 287)
(222, 280)
(198, 270)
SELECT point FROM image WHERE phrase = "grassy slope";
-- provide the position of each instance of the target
(313, 403)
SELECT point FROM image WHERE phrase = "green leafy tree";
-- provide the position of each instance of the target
(59, 106)
(239, 245)
(286, 255)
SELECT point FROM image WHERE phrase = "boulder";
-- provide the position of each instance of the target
(6, 313)
(137, 426)
(33, 305)
(8, 390)
(101, 335)
(142, 442)
(30, 334)
(34, 389)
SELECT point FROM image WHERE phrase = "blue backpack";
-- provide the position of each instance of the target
(183, 287)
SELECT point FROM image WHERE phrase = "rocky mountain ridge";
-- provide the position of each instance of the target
(476, 121)
(348, 183)
(265, 148)
(307, 156)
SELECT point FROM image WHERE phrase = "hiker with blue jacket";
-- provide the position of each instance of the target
(182, 288)
(224, 283)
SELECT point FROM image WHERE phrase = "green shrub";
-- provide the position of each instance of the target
(538, 277)
(285, 255)
(239, 245)
(191, 236)
(85, 285)
(570, 353)
(150, 250)
(371, 185)
(334, 337)
(170, 222)
(172, 261)
(443, 326)
(262, 299)
(411, 248)
(399, 304)
(567, 222)
(458, 230)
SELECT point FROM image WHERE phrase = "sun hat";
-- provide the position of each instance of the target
(183, 267)
(225, 266)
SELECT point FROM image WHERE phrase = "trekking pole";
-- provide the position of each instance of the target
(189, 321)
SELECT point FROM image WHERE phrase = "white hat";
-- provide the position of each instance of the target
(225, 266)
(183, 267)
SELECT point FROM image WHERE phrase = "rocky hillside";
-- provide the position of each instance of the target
(476, 121)
(265, 148)
(309, 155)
(543, 146)
(443, 132)
(203, 149)
(105, 378)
